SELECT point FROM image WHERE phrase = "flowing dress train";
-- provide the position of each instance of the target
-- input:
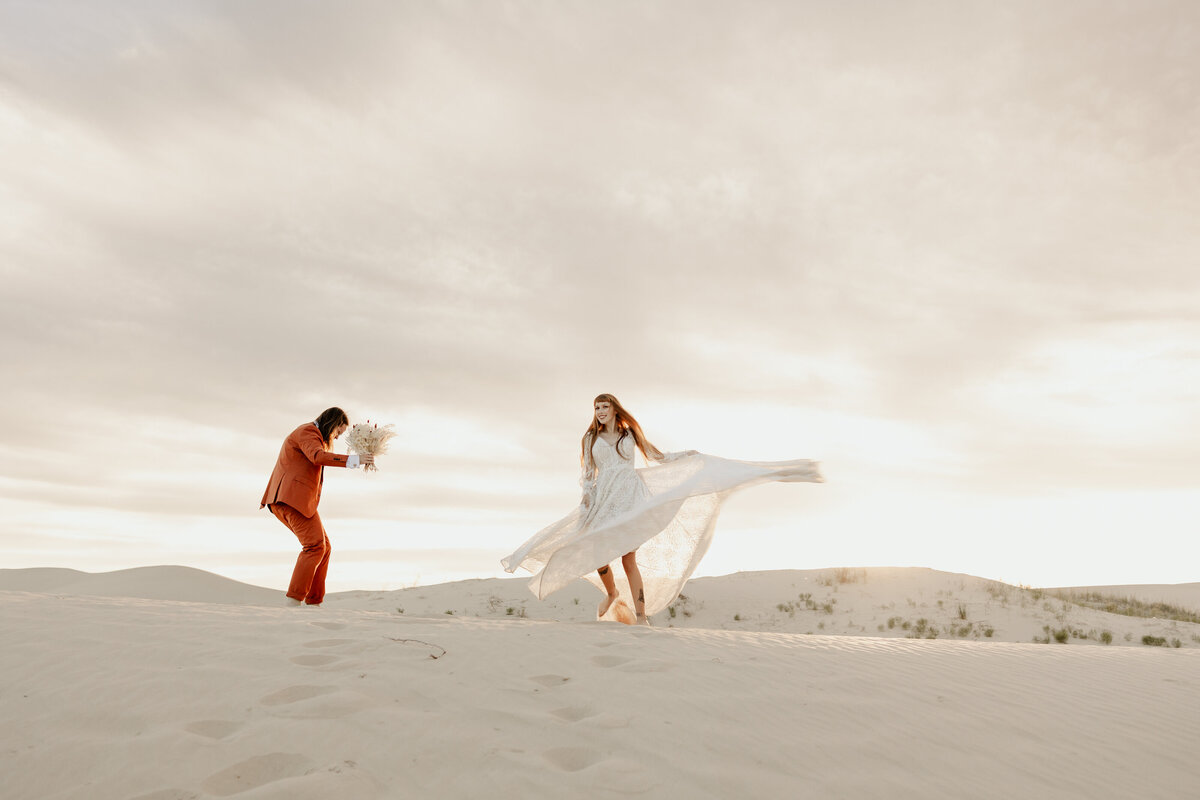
(667, 512)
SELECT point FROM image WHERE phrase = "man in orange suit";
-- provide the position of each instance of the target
(295, 490)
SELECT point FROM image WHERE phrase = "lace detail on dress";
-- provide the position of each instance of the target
(587, 476)
(616, 487)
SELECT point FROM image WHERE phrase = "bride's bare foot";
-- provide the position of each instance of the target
(605, 604)
(642, 619)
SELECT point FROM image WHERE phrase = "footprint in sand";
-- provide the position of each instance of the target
(328, 642)
(255, 772)
(329, 626)
(610, 661)
(212, 728)
(294, 694)
(549, 680)
(573, 713)
(572, 759)
(315, 660)
(316, 702)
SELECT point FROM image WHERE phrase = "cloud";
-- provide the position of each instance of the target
(220, 219)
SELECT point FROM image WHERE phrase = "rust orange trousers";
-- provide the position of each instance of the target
(308, 578)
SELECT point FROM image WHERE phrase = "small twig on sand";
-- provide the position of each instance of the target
(418, 641)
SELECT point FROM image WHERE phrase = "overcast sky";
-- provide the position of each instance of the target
(950, 249)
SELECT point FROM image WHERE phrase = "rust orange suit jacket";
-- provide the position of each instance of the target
(299, 472)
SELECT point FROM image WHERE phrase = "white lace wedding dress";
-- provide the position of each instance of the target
(666, 512)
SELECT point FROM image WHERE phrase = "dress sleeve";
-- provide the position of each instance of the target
(587, 476)
(669, 457)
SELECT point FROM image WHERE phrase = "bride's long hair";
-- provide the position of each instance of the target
(623, 422)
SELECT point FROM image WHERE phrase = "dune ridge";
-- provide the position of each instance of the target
(881, 602)
(166, 582)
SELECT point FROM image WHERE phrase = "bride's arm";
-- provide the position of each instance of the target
(654, 454)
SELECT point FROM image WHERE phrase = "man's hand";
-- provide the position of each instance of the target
(366, 459)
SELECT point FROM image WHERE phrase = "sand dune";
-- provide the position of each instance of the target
(185, 584)
(155, 699)
(888, 602)
(146, 699)
(1186, 595)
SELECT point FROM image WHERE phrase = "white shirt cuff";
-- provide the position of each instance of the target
(352, 461)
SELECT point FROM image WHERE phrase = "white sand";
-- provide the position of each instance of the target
(122, 697)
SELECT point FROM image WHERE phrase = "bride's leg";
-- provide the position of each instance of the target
(610, 588)
(629, 561)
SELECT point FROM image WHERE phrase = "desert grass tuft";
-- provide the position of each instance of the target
(1130, 607)
(1060, 635)
(847, 575)
(921, 629)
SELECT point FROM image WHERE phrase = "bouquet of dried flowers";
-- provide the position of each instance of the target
(367, 437)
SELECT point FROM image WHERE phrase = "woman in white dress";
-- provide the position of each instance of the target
(658, 520)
